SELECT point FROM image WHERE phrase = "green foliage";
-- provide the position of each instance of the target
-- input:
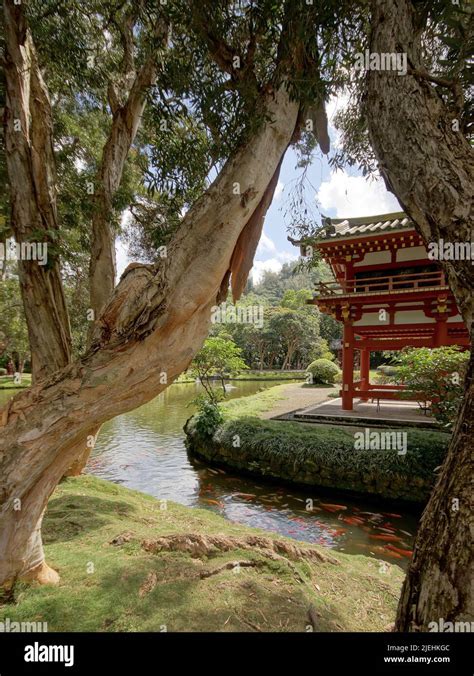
(434, 375)
(323, 371)
(13, 331)
(321, 351)
(294, 332)
(327, 456)
(386, 374)
(218, 357)
(208, 418)
(447, 32)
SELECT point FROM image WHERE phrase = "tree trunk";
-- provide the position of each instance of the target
(430, 168)
(439, 580)
(155, 322)
(102, 269)
(125, 121)
(31, 171)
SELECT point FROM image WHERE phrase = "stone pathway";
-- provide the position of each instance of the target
(297, 397)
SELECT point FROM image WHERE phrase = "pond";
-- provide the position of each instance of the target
(145, 450)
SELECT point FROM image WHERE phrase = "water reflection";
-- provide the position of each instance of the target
(144, 450)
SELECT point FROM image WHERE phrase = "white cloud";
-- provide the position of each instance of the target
(334, 106)
(266, 245)
(121, 257)
(273, 264)
(353, 196)
(80, 164)
(278, 190)
(259, 267)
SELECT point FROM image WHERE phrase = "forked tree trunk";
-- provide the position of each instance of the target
(102, 269)
(150, 330)
(125, 121)
(32, 178)
(430, 168)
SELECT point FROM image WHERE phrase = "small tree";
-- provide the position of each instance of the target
(218, 357)
(434, 375)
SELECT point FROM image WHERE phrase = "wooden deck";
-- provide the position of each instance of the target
(389, 414)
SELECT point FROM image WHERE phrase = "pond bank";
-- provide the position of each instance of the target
(323, 455)
(164, 567)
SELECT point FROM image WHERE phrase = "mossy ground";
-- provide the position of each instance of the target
(122, 587)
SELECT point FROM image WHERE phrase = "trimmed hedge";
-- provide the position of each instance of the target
(324, 456)
(323, 371)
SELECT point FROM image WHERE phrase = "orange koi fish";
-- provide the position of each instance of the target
(332, 508)
(403, 552)
(213, 502)
(387, 538)
(352, 520)
(394, 555)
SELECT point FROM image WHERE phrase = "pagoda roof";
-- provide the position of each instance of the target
(341, 228)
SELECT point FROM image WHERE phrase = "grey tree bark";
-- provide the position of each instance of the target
(32, 177)
(430, 168)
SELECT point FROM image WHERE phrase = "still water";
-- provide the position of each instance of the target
(145, 450)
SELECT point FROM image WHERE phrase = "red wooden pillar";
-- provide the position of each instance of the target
(347, 367)
(441, 333)
(348, 277)
(364, 369)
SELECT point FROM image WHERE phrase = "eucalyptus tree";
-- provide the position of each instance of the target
(416, 130)
(254, 75)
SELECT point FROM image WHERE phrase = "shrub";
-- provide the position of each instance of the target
(323, 371)
(208, 418)
(3, 372)
(386, 374)
(434, 375)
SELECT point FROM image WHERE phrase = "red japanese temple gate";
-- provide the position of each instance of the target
(386, 291)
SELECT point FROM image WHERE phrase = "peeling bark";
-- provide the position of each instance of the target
(430, 168)
(155, 322)
(125, 122)
(102, 267)
(31, 171)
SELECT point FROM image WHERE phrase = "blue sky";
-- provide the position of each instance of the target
(338, 194)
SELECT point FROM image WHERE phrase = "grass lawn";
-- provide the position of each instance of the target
(254, 403)
(8, 383)
(130, 583)
(254, 375)
(270, 375)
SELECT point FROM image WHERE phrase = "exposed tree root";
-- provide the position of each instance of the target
(121, 538)
(313, 617)
(249, 623)
(148, 584)
(230, 565)
(199, 546)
